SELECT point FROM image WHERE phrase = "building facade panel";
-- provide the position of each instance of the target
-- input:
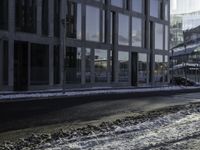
(83, 43)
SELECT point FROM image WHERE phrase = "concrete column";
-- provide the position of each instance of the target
(39, 17)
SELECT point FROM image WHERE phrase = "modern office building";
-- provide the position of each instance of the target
(46, 44)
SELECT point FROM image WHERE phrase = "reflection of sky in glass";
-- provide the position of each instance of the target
(154, 8)
(123, 56)
(92, 23)
(166, 38)
(158, 58)
(137, 5)
(158, 36)
(123, 36)
(118, 3)
(136, 32)
(142, 57)
(101, 54)
(78, 28)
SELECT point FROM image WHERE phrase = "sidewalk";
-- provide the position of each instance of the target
(108, 92)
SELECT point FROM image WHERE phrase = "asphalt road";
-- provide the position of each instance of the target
(25, 116)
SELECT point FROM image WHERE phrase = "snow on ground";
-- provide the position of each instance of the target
(171, 128)
(91, 91)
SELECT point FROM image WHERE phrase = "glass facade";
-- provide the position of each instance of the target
(118, 3)
(56, 18)
(166, 38)
(101, 65)
(5, 62)
(136, 32)
(45, 17)
(4, 14)
(73, 58)
(26, 15)
(142, 69)
(56, 64)
(137, 5)
(74, 20)
(159, 36)
(92, 23)
(123, 60)
(39, 64)
(154, 8)
(123, 35)
(159, 66)
(88, 65)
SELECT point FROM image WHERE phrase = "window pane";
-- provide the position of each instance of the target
(88, 64)
(26, 15)
(74, 20)
(56, 64)
(5, 62)
(4, 14)
(73, 57)
(123, 59)
(166, 10)
(39, 64)
(118, 3)
(56, 18)
(137, 5)
(136, 32)
(166, 38)
(45, 17)
(154, 6)
(123, 35)
(92, 23)
(159, 32)
(158, 72)
(101, 62)
(142, 68)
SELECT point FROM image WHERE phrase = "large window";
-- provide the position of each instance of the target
(158, 71)
(39, 64)
(123, 34)
(123, 60)
(26, 12)
(136, 32)
(56, 64)
(165, 68)
(154, 8)
(56, 18)
(166, 38)
(142, 68)
(159, 36)
(166, 11)
(45, 16)
(73, 57)
(88, 65)
(137, 5)
(101, 65)
(5, 62)
(118, 3)
(92, 23)
(73, 20)
(4, 14)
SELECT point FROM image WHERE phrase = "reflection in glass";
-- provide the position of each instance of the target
(142, 68)
(123, 35)
(137, 5)
(154, 6)
(39, 64)
(101, 65)
(166, 38)
(166, 68)
(166, 10)
(123, 60)
(136, 32)
(73, 26)
(118, 3)
(159, 66)
(73, 65)
(159, 32)
(4, 14)
(92, 23)
(88, 65)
